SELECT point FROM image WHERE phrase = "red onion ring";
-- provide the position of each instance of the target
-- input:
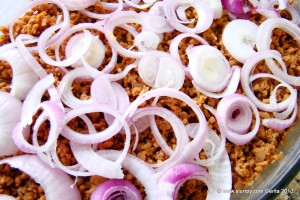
(116, 188)
(234, 117)
(178, 174)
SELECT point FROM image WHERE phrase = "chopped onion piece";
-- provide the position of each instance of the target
(239, 38)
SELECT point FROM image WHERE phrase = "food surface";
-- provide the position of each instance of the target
(134, 80)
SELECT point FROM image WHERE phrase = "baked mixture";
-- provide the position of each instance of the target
(247, 161)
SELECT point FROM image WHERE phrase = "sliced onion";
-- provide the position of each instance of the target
(192, 148)
(267, 12)
(94, 163)
(157, 9)
(239, 38)
(46, 176)
(146, 41)
(10, 107)
(95, 54)
(23, 78)
(155, 23)
(205, 15)
(178, 174)
(42, 46)
(28, 57)
(63, 25)
(229, 90)
(147, 3)
(56, 118)
(209, 68)
(159, 69)
(33, 99)
(114, 189)
(263, 42)
(78, 4)
(87, 26)
(175, 43)
(234, 117)
(237, 6)
(246, 80)
(177, 126)
(65, 87)
(220, 171)
(97, 137)
(117, 19)
(280, 122)
(141, 171)
(216, 6)
(103, 93)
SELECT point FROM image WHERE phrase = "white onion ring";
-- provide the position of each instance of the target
(264, 39)
(205, 15)
(23, 78)
(246, 80)
(159, 69)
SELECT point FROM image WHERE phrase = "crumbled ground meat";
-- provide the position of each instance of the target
(247, 161)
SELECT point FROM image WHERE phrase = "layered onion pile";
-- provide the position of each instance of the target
(69, 87)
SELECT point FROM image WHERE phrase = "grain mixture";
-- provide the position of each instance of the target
(247, 161)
